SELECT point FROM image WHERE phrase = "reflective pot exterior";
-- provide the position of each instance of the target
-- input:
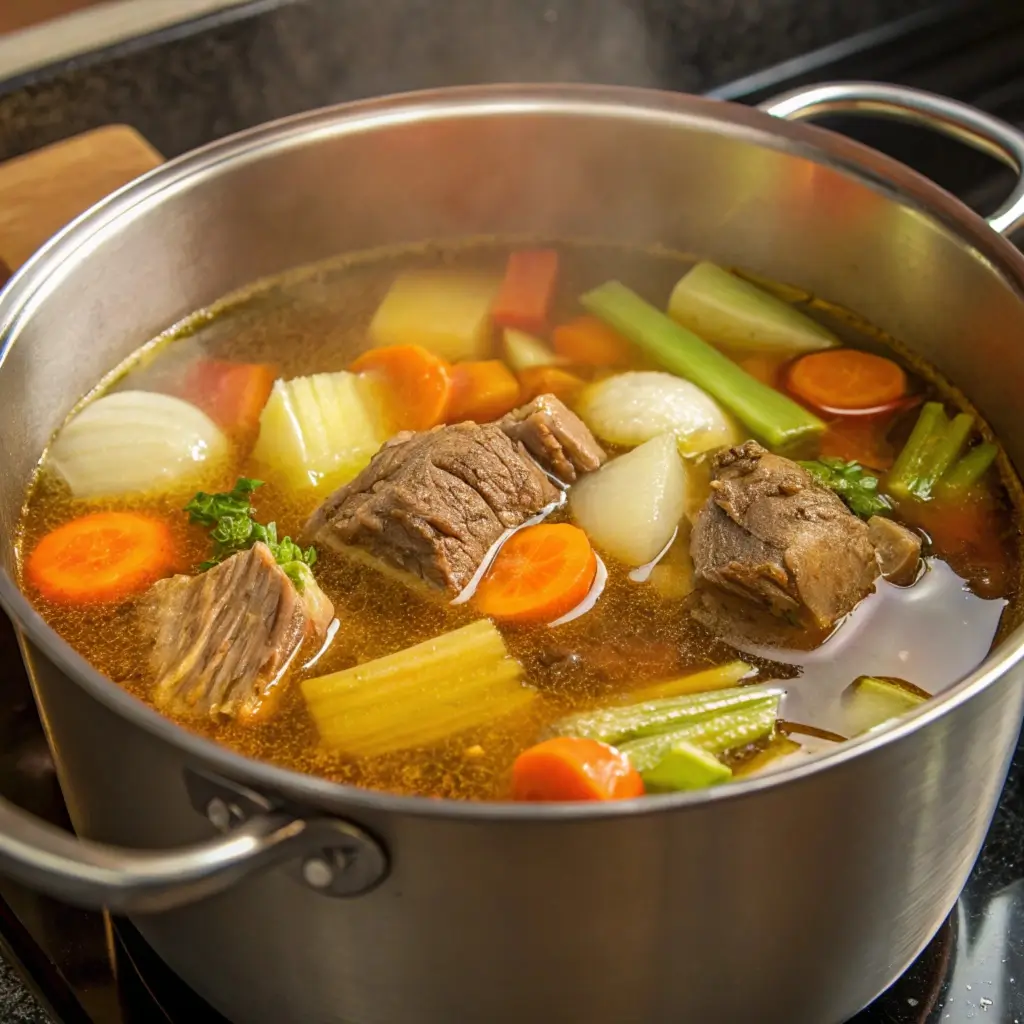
(796, 899)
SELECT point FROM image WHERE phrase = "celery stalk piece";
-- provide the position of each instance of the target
(956, 484)
(869, 702)
(422, 695)
(612, 725)
(769, 414)
(737, 315)
(944, 454)
(720, 677)
(912, 461)
(715, 735)
(779, 748)
(686, 767)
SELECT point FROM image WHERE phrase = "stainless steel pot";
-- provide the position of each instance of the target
(796, 898)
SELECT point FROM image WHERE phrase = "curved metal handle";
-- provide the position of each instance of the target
(949, 117)
(339, 859)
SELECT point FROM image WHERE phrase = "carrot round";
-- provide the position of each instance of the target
(231, 394)
(847, 380)
(588, 341)
(549, 380)
(481, 391)
(418, 383)
(574, 768)
(104, 556)
(540, 573)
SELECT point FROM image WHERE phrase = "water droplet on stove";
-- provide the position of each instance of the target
(984, 1003)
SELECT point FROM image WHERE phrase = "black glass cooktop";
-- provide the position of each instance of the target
(87, 969)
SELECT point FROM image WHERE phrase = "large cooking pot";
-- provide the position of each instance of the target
(278, 897)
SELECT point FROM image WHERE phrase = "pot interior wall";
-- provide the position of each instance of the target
(675, 172)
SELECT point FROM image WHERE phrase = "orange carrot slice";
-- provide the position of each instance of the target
(549, 380)
(847, 380)
(525, 295)
(231, 394)
(104, 556)
(481, 391)
(588, 341)
(573, 768)
(418, 383)
(540, 573)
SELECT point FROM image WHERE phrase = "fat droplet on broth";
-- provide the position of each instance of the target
(931, 635)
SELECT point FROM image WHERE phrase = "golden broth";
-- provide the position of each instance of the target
(315, 321)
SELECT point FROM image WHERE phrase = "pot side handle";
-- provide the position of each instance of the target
(949, 117)
(338, 859)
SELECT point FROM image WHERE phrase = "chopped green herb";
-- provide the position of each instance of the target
(233, 528)
(853, 483)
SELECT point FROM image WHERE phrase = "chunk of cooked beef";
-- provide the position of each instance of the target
(897, 550)
(433, 503)
(555, 436)
(773, 538)
(221, 640)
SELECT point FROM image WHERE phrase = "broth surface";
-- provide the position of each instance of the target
(930, 634)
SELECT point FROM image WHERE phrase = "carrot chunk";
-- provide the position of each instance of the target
(525, 295)
(847, 380)
(549, 380)
(539, 574)
(588, 341)
(481, 391)
(418, 383)
(105, 556)
(231, 394)
(574, 768)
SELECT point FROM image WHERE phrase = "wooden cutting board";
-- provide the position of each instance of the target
(42, 191)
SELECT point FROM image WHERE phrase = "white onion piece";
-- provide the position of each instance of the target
(631, 408)
(631, 506)
(135, 442)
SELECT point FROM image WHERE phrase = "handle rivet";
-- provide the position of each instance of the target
(317, 873)
(219, 814)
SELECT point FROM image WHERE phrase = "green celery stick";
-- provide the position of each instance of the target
(912, 461)
(769, 414)
(686, 767)
(955, 485)
(870, 701)
(944, 454)
(715, 735)
(612, 725)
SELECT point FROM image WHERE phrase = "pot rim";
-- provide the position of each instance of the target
(29, 287)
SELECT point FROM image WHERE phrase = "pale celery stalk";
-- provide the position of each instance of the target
(769, 414)
(420, 696)
(714, 735)
(869, 702)
(737, 315)
(720, 677)
(612, 725)
(686, 767)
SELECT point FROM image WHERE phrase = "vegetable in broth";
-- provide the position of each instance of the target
(523, 535)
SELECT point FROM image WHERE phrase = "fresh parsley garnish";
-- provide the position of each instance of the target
(231, 520)
(853, 483)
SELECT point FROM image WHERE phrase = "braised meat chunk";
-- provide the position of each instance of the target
(221, 640)
(555, 436)
(772, 540)
(433, 503)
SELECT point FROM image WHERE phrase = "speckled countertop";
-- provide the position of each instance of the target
(198, 82)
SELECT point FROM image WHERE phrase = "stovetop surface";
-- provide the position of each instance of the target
(87, 969)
